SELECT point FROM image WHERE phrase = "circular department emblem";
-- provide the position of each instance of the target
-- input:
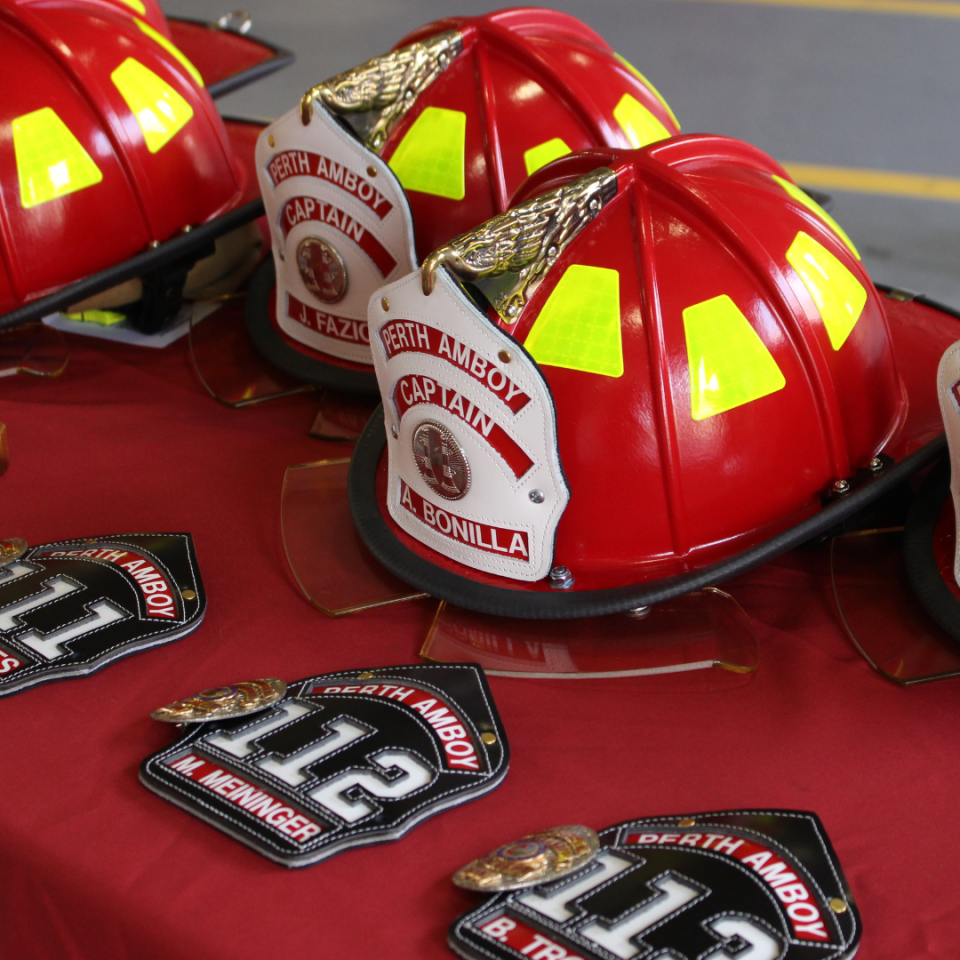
(441, 460)
(322, 268)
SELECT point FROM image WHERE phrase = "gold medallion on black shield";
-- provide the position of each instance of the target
(222, 703)
(536, 858)
(322, 268)
(441, 460)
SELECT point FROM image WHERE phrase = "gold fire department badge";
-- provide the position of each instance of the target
(221, 703)
(11, 550)
(534, 859)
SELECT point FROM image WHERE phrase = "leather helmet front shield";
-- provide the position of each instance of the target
(340, 227)
(474, 466)
(948, 391)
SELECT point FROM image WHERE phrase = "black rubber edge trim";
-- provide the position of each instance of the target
(919, 298)
(272, 346)
(281, 58)
(922, 570)
(153, 259)
(500, 601)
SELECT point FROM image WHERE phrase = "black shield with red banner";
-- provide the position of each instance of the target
(343, 760)
(69, 608)
(739, 885)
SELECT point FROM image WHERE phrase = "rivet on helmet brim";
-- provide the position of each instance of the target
(561, 578)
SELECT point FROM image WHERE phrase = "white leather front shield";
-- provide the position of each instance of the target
(475, 469)
(340, 227)
(948, 390)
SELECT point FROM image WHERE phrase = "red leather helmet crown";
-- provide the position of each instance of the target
(531, 85)
(697, 359)
(111, 142)
(447, 126)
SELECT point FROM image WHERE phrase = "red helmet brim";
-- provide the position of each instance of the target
(921, 330)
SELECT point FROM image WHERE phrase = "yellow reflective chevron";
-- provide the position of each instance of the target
(430, 157)
(729, 364)
(136, 5)
(838, 294)
(649, 86)
(815, 207)
(540, 155)
(171, 49)
(579, 326)
(160, 110)
(638, 123)
(51, 161)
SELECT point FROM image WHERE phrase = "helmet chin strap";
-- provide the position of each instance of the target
(948, 390)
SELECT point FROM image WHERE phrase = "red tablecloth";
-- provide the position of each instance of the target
(95, 866)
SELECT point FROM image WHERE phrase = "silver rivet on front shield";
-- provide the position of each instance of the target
(537, 496)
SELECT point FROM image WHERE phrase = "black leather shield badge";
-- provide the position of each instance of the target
(744, 885)
(69, 608)
(345, 759)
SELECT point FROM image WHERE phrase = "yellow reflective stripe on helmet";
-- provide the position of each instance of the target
(838, 294)
(106, 318)
(729, 363)
(638, 123)
(136, 5)
(815, 207)
(540, 155)
(171, 49)
(649, 86)
(160, 110)
(430, 157)
(579, 326)
(51, 161)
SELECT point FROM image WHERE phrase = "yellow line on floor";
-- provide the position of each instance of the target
(914, 8)
(876, 181)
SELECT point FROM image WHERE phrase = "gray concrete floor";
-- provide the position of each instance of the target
(808, 85)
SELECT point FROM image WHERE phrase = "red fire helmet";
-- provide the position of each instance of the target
(384, 163)
(112, 148)
(658, 369)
